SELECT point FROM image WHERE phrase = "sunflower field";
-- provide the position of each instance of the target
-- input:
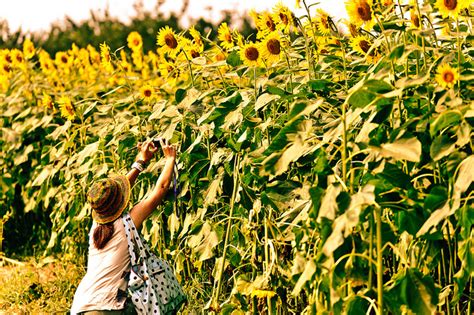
(325, 166)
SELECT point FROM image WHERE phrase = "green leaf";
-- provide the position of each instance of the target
(402, 149)
(179, 95)
(447, 118)
(320, 85)
(397, 52)
(309, 270)
(361, 98)
(441, 146)
(264, 99)
(233, 59)
(275, 90)
(436, 198)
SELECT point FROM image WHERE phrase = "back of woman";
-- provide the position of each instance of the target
(104, 286)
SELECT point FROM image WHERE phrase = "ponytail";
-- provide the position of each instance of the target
(102, 234)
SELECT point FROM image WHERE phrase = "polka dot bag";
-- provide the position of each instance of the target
(152, 285)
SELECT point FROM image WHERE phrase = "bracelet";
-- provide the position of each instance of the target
(138, 165)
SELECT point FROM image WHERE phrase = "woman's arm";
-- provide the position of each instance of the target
(147, 150)
(144, 208)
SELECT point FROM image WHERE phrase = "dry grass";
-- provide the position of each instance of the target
(38, 287)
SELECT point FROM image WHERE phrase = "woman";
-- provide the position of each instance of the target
(103, 288)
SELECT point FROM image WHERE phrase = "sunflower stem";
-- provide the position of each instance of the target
(220, 270)
(458, 35)
(378, 218)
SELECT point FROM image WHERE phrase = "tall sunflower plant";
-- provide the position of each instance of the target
(325, 164)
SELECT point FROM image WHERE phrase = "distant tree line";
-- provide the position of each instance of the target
(99, 28)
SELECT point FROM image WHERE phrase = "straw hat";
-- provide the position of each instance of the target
(108, 198)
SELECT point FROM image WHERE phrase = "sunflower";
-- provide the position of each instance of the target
(28, 49)
(451, 8)
(4, 82)
(322, 22)
(262, 293)
(168, 41)
(251, 55)
(196, 38)
(362, 45)
(361, 13)
(47, 101)
(283, 18)
(225, 36)
(265, 24)
(105, 57)
(446, 76)
(147, 92)
(134, 40)
(415, 20)
(191, 49)
(271, 48)
(46, 64)
(67, 108)
(17, 57)
(353, 30)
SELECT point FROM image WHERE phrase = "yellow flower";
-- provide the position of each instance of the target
(298, 4)
(361, 13)
(362, 45)
(28, 49)
(262, 293)
(271, 48)
(322, 22)
(137, 59)
(134, 40)
(147, 92)
(191, 49)
(251, 55)
(196, 38)
(283, 18)
(415, 20)
(446, 76)
(46, 64)
(47, 101)
(17, 58)
(67, 108)
(265, 24)
(224, 34)
(106, 59)
(451, 8)
(4, 82)
(168, 41)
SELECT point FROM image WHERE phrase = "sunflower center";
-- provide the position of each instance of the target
(270, 25)
(194, 53)
(364, 11)
(273, 46)
(283, 18)
(451, 4)
(170, 41)
(364, 45)
(19, 58)
(416, 21)
(228, 38)
(251, 53)
(64, 59)
(147, 93)
(448, 77)
(136, 42)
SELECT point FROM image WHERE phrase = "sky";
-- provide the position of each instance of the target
(36, 15)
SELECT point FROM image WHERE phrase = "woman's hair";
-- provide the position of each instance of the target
(102, 234)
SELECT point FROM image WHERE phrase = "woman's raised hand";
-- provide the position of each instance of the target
(147, 150)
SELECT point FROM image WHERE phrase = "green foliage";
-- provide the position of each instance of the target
(328, 182)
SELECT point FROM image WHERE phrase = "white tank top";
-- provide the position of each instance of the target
(99, 289)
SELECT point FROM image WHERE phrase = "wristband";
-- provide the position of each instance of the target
(138, 166)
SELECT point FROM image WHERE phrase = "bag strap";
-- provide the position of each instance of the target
(136, 244)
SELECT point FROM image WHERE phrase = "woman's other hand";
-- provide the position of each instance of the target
(169, 151)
